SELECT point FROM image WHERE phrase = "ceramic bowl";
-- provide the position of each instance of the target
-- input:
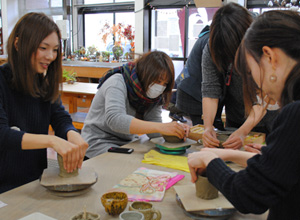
(114, 202)
(172, 139)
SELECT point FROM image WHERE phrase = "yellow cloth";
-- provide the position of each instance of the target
(170, 161)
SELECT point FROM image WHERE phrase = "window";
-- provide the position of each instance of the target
(52, 8)
(175, 31)
(100, 21)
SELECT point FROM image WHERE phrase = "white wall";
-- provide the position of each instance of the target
(10, 16)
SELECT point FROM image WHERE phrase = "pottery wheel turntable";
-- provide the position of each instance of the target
(71, 186)
(172, 148)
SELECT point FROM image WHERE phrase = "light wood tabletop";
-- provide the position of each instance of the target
(111, 169)
(78, 90)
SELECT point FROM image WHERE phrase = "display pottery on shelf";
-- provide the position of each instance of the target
(117, 51)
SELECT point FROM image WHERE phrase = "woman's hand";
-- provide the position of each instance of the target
(75, 138)
(235, 141)
(254, 148)
(198, 162)
(72, 151)
(173, 128)
(209, 138)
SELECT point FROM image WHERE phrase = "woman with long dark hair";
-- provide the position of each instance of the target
(30, 102)
(269, 62)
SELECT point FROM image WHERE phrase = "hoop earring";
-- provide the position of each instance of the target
(273, 78)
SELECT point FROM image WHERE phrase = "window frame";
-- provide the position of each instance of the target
(82, 10)
(186, 28)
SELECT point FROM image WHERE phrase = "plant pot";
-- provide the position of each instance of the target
(118, 52)
(70, 81)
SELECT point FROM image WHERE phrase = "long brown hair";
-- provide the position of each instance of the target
(154, 66)
(30, 31)
(275, 29)
(227, 29)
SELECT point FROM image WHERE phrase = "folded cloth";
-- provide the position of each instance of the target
(147, 185)
(170, 161)
(174, 180)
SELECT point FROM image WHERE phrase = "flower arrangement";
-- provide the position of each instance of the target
(129, 35)
(118, 31)
(115, 30)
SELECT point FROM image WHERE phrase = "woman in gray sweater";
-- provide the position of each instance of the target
(129, 102)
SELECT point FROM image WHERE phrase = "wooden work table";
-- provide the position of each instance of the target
(78, 91)
(111, 169)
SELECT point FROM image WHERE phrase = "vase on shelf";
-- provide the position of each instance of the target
(117, 52)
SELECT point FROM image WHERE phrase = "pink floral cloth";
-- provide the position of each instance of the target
(148, 185)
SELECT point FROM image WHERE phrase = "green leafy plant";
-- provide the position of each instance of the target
(69, 76)
(105, 55)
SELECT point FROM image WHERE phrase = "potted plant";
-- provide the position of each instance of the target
(117, 51)
(105, 56)
(69, 76)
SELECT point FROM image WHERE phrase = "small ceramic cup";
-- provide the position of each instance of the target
(204, 189)
(114, 202)
(62, 171)
(147, 209)
(131, 215)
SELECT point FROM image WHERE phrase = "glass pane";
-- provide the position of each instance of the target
(97, 1)
(127, 19)
(198, 19)
(57, 17)
(36, 4)
(178, 66)
(97, 31)
(56, 3)
(168, 31)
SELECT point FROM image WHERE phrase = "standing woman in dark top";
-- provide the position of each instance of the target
(30, 102)
(268, 60)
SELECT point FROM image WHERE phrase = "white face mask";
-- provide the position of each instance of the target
(155, 90)
(270, 107)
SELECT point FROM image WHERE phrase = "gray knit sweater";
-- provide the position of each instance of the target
(108, 121)
(213, 86)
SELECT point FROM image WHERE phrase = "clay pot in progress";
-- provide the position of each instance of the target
(204, 189)
(172, 139)
(62, 170)
(222, 138)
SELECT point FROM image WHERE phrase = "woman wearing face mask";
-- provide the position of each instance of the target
(29, 102)
(271, 180)
(129, 101)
